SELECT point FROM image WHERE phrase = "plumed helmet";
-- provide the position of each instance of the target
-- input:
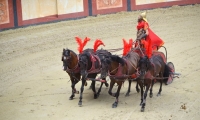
(143, 15)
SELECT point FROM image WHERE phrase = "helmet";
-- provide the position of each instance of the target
(143, 15)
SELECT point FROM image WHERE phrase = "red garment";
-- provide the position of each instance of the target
(152, 40)
(156, 41)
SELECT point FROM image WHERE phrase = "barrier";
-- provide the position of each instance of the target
(18, 13)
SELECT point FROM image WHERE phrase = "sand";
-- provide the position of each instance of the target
(33, 85)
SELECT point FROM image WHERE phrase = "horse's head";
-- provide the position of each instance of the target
(84, 60)
(66, 58)
(144, 65)
(111, 63)
(105, 65)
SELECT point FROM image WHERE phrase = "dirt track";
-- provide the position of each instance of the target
(33, 85)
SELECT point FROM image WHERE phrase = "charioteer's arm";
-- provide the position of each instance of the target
(145, 33)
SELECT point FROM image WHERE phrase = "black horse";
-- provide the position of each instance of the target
(90, 66)
(150, 70)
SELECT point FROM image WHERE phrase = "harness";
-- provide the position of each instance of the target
(94, 58)
(119, 74)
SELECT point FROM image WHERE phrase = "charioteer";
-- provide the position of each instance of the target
(146, 38)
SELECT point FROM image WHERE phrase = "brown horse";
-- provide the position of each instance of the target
(70, 65)
(119, 69)
(140, 52)
(150, 70)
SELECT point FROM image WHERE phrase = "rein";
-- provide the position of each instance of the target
(114, 50)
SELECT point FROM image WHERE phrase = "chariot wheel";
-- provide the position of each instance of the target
(171, 75)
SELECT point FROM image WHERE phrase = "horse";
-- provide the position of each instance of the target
(71, 65)
(134, 77)
(150, 70)
(90, 66)
(102, 54)
(119, 69)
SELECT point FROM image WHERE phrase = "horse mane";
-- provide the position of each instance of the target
(103, 52)
(117, 59)
(86, 54)
(97, 43)
(81, 44)
(127, 46)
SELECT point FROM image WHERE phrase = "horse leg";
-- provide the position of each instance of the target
(90, 86)
(151, 89)
(98, 93)
(114, 105)
(73, 90)
(93, 84)
(145, 96)
(82, 89)
(129, 88)
(142, 91)
(137, 88)
(106, 84)
(73, 83)
(159, 92)
(112, 82)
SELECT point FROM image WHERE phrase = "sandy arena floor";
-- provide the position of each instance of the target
(33, 85)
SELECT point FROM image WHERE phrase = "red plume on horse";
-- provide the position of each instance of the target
(127, 46)
(97, 43)
(81, 44)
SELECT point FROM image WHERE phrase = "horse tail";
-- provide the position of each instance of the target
(167, 71)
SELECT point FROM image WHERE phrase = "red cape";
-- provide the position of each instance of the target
(155, 40)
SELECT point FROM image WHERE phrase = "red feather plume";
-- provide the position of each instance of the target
(85, 41)
(127, 46)
(79, 41)
(81, 44)
(97, 43)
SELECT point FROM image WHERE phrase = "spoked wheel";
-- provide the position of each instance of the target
(171, 75)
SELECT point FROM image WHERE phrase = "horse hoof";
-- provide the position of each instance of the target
(138, 90)
(95, 96)
(114, 105)
(142, 109)
(106, 84)
(127, 94)
(151, 95)
(80, 104)
(70, 98)
(159, 94)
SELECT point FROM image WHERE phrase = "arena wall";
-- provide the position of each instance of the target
(19, 13)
